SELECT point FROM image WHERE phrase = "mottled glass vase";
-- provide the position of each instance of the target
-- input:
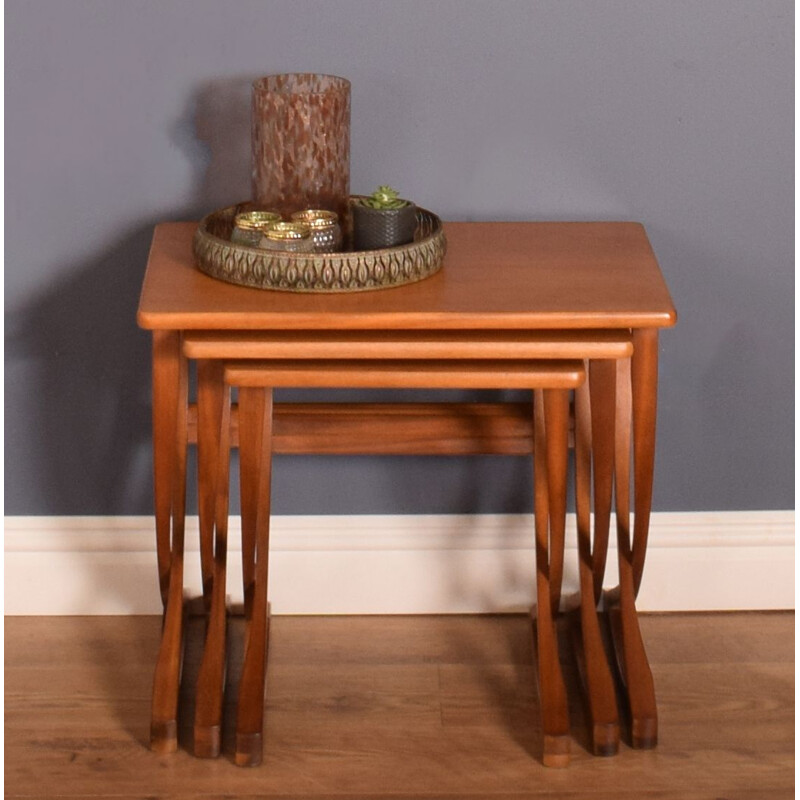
(301, 143)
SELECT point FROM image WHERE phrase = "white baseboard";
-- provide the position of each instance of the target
(439, 564)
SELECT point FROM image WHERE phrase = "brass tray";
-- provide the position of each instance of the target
(354, 271)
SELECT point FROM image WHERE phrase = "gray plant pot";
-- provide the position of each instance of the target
(376, 229)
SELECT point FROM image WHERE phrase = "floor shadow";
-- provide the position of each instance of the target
(122, 650)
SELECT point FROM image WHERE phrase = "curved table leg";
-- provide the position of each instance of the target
(251, 414)
(209, 412)
(602, 386)
(170, 404)
(551, 413)
(556, 412)
(592, 659)
(166, 378)
(250, 713)
(644, 386)
(629, 645)
(211, 679)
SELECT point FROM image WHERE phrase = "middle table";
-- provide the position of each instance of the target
(489, 360)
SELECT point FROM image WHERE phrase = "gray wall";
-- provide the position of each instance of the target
(677, 113)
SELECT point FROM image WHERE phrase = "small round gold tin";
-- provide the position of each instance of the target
(325, 230)
(249, 226)
(292, 237)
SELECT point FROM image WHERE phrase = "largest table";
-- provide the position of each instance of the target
(507, 290)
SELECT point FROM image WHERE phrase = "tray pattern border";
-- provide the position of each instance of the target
(354, 271)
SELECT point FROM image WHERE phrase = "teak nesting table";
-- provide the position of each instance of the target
(552, 307)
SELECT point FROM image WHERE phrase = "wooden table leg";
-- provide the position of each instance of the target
(644, 387)
(551, 414)
(166, 376)
(592, 660)
(602, 389)
(251, 418)
(209, 414)
(254, 402)
(631, 655)
(211, 679)
(170, 403)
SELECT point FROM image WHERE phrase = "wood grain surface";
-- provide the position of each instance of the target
(496, 275)
(379, 707)
(408, 344)
(395, 428)
(382, 374)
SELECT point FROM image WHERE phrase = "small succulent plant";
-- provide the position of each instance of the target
(384, 197)
(383, 220)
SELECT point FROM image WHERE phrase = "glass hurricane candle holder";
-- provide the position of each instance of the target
(289, 237)
(250, 225)
(325, 230)
(301, 143)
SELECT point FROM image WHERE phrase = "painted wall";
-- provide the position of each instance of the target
(677, 113)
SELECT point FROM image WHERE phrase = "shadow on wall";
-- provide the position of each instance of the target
(214, 134)
(87, 392)
(87, 403)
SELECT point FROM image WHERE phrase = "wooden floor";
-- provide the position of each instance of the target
(379, 707)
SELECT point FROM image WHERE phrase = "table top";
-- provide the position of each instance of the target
(496, 276)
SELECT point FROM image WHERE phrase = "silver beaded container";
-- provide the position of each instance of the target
(325, 229)
(249, 226)
(288, 237)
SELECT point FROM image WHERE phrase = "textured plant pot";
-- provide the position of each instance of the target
(376, 229)
(301, 143)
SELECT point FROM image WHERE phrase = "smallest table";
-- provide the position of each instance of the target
(507, 291)
(551, 380)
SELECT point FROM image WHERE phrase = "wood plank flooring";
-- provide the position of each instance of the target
(398, 707)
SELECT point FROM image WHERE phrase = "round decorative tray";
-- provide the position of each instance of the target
(352, 271)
